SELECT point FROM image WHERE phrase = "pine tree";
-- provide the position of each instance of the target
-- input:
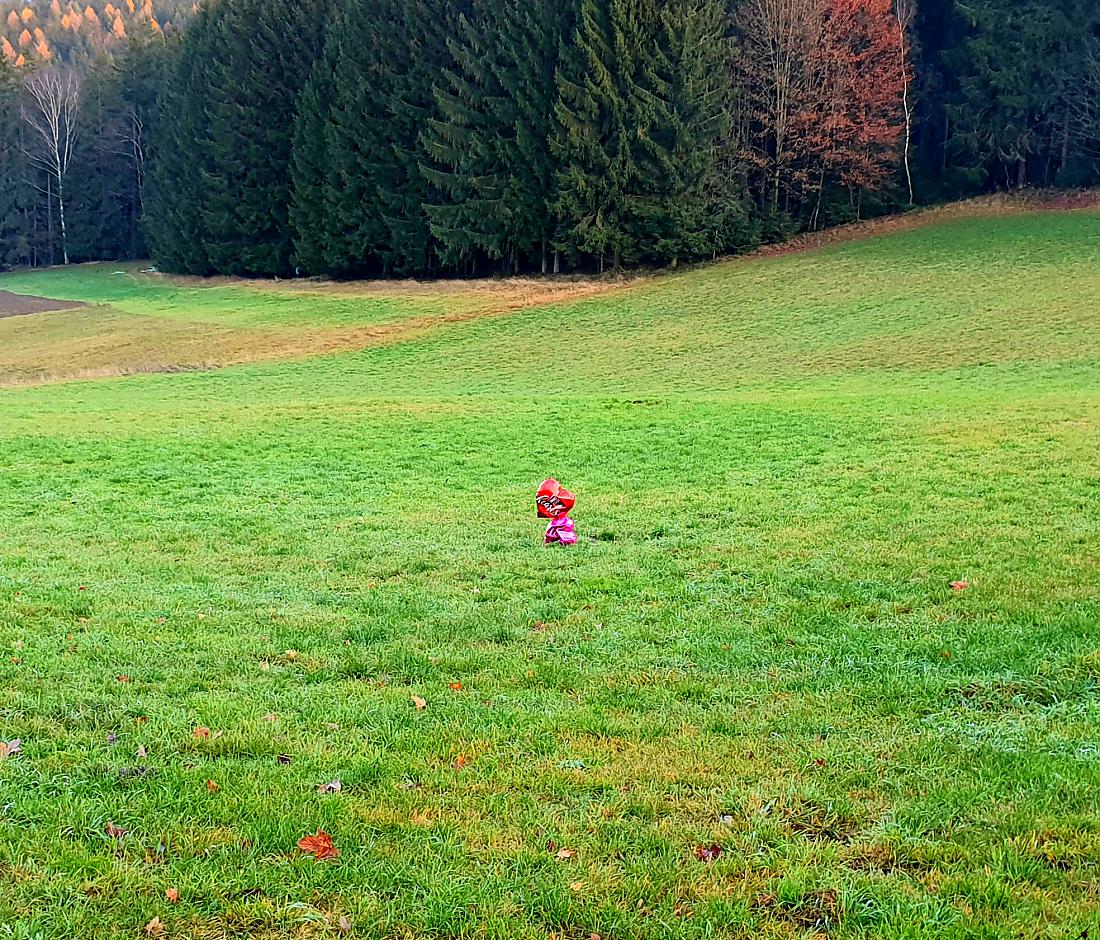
(588, 138)
(173, 193)
(418, 56)
(464, 145)
(356, 138)
(15, 248)
(642, 110)
(263, 53)
(310, 171)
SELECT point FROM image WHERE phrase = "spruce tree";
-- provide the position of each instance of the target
(172, 196)
(263, 53)
(642, 111)
(358, 140)
(15, 248)
(310, 172)
(463, 143)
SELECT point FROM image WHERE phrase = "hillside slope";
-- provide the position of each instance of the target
(823, 661)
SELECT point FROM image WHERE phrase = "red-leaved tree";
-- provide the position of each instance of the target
(822, 84)
(859, 136)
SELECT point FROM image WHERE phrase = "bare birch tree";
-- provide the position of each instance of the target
(905, 11)
(775, 40)
(52, 112)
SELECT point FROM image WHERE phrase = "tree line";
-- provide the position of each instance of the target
(422, 137)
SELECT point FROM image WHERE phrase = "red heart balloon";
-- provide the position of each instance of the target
(553, 500)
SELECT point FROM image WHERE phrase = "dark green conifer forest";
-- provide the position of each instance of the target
(355, 138)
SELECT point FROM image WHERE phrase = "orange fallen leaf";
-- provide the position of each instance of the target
(7, 748)
(212, 786)
(420, 703)
(155, 927)
(319, 846)
(172, 894)
(201, 732)
(454, 686)
(115, 832)
(291, 655)
(123, 678)
(420, 819)
(564, 855)
(461, 761)
(959, 585)
(576, 886)
(140, 720)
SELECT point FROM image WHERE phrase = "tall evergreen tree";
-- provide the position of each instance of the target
(15, 236)
(262, 54)
(643, 108)
(173, 191)
(357, 139)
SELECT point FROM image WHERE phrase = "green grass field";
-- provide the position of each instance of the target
(781, 465)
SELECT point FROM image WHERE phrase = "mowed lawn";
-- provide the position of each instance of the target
(748, 703)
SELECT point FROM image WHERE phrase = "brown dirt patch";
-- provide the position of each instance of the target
(20, 305)
(814, 911)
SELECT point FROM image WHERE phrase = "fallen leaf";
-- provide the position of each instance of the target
(201, 732)
(332, 726)
(420, 703)
(817, 762)
(283, 759)
(291, 655)
(271, 716)
(576, 886)
(212, 786)
(15, 660)
(333, 786)
(155, 927)
(460, 761)
(343, 925)
(959, 585)
(123, 678)
(172, 894)
(708, 853)
(82, 588)
(7, 748)
(140, 720)
(265, 665)
(141, 752)
(115, 832)
(319, 846)
(454, 686)
(564, 855)
(420, 819)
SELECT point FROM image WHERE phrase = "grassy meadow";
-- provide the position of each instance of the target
(747, 704)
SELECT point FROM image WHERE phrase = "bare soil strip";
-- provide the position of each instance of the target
(21, 305)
